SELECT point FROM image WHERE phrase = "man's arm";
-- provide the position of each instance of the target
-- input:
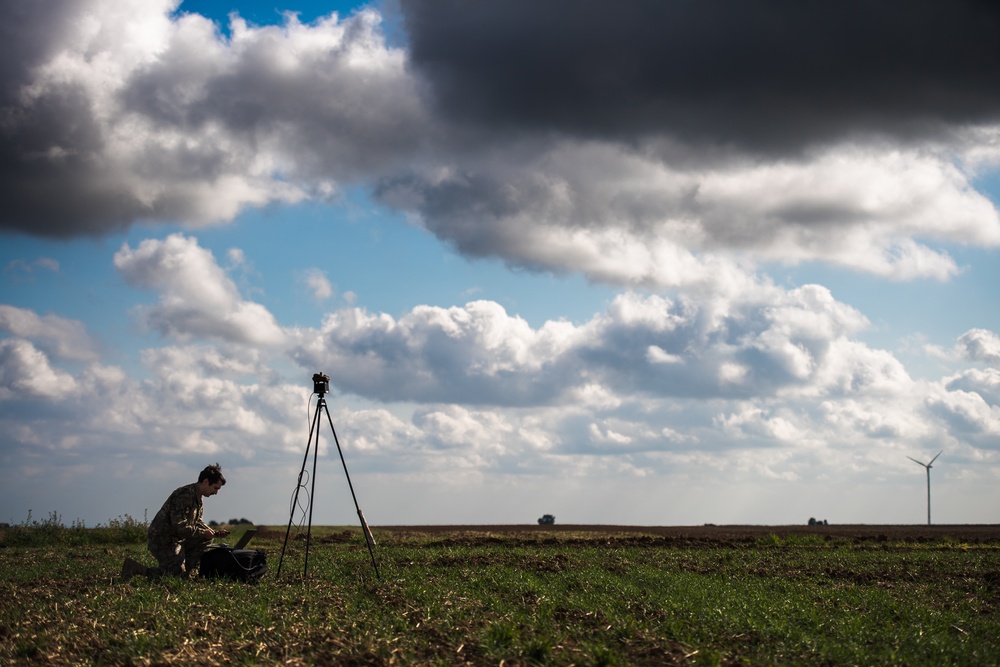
(208, 531)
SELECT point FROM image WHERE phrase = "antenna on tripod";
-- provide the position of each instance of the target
(321, 386)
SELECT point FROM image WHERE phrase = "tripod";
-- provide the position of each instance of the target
(321, 384)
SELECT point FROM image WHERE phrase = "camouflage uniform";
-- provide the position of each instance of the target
(174, 536)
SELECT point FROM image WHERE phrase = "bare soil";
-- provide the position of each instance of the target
(969, 533)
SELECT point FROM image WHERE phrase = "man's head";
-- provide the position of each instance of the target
(210, 480)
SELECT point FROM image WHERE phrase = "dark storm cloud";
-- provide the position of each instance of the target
(112, 113)
(30, 170)
(770, 76)
(28, 32)
(634, 143)
(51, 191)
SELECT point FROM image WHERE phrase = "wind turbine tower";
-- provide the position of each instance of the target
(928, 466)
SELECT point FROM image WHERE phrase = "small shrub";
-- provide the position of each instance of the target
(51, 531)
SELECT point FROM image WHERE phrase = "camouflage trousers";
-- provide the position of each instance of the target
(178, 558)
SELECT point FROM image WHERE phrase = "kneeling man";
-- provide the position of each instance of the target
(177, 536)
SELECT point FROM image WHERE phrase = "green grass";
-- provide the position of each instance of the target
(486, 600)
(51, 530)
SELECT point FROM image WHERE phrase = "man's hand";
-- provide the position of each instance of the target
(221, 533)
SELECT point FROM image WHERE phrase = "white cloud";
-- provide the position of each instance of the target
(478, 352)
(757, 343)
(318, 284)
(173, 121)
(766, 382)
(636, 217)
(854, 412)
(718, 379)
(981, 345)
(758, 422)
(859, 423)
(59, 336)
(236, 256)
(657, 355)
(197, 298)
(986, 383)
(967, 413)
(19, 268)
(605, 435)
(25, 372)
(851, 367)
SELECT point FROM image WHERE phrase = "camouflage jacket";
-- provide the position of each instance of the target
(180, 516)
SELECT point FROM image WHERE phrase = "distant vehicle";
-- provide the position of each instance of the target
(546, 520)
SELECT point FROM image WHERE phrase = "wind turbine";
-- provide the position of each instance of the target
(928, 466)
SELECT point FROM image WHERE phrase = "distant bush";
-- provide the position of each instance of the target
(50, 531)
(231, 522)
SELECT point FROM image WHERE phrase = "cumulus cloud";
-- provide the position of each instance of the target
(659, 145)
(967, 413)
(197, 298)
(981, 345)
(637, 143)
(56, 335)
(628, 215)
(25, 372)
(201, 393)
(318, 284)
(766, 384)
(858, 423)
(432, 354)
(131, 113)
(194, 400)
(598, 145)
(985, 383)
(671, 149)
(766, 341)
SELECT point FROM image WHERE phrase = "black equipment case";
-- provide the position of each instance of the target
(240, 564)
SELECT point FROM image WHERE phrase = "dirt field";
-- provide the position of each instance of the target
(988, 533)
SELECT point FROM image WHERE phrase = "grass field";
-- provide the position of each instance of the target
(517, 596)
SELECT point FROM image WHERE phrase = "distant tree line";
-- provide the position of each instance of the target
(231, 522)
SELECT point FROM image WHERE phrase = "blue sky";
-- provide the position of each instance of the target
(581, 276)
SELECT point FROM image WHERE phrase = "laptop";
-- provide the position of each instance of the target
(245, 539)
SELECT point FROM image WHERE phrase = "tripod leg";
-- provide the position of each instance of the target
(369, 540)
(313, 427)
(312, 489)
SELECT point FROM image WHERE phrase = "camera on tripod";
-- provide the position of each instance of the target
(321, 384)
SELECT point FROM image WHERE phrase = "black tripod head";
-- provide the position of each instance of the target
(321, 384)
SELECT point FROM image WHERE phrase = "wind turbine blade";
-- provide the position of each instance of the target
(935, 457)
(916, 461)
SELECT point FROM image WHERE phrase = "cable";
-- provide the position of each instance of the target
(303, 486)
(296, 500)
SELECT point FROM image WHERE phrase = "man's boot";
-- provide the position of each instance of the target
(130, 568)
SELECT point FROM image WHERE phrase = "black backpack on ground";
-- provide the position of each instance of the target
(239, 564)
